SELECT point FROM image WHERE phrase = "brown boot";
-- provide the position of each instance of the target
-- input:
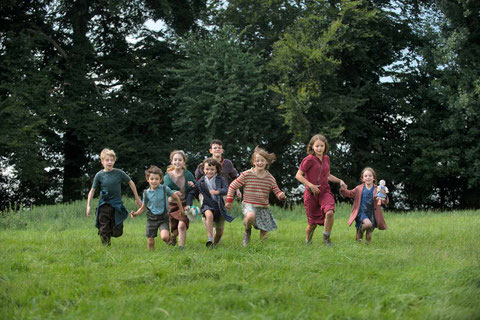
(246, 237)
(359, 235)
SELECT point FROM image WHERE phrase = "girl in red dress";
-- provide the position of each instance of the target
(314, 173)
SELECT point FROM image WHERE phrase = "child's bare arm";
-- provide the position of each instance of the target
(133, 214)
(89, 199)
(134, 190)
(334, 179)
(300, 177)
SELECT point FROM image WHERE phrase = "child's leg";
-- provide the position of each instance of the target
(165, 236)
(368, 235)
(209, 223)
(151, 243)
(359, 235)
(329, 221)
(249, 221)
(182, 233)
(106, 221)
(309, 232)
(263, 235)
(218, 235)
(367, 225)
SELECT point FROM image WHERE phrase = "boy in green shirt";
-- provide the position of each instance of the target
(110, 212)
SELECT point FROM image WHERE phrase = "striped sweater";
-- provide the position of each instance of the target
(255, 190)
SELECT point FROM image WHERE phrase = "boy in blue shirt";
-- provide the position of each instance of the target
(155, 200)
(110, 212)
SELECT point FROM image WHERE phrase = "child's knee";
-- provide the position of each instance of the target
(182, 226)
(209, 215)
(329, 214)
(250, 216)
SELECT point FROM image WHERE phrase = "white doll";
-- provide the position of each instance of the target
(382, 191)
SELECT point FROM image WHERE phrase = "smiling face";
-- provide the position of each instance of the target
(216, 150)
(154, 180)
(260, 162)
(177, 161)
(368, 178)
(319, 148)
(108, 162)
(209, 170)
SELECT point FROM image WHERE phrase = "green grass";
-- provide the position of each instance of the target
(425, 266)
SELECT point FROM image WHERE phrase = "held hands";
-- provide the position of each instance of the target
(282, 196)
(133, 214)
(191, 184)
(343, 185)
(228, 205)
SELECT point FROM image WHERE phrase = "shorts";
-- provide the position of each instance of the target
(155, 222)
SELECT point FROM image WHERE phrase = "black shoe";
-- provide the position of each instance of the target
(209, 244)
(326, 240)
(106, 240)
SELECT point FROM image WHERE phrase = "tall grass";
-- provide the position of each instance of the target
(425, 266)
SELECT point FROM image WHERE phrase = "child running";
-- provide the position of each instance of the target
(314, 173)
(257, 184)
(213, 187)
(156, 203)
(366, 212)
(178, 178)
(110, 212)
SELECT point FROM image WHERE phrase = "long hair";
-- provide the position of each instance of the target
(270, 157)
(172, 154)
(315, 138)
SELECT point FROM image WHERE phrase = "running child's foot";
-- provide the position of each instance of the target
(326, 240)
(246, 237)
(173, 241)
(106, 241)
(209, 244)
(359, 235)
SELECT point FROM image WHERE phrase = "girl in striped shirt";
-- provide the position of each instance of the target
(257, 184)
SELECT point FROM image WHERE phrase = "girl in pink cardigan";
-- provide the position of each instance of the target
(366, 212)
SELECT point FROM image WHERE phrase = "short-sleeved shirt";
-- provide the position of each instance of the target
(317, 171)
(155, 199)
(110, 183)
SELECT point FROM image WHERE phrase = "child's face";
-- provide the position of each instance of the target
(108, 162)
(319, 147)
(154, 180)
(216, 150)
(177, 161)
(367, 177)
(260, 162)
(209, 170)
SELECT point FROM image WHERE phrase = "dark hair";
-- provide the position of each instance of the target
(216, 141)
(153, 170)
(315, 138)
(212, 162)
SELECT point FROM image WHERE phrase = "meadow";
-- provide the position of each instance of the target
(425, 266)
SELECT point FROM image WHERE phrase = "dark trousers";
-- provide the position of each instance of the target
(107, 227)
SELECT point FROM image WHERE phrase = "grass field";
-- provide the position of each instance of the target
(425, 266)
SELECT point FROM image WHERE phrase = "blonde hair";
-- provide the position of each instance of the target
(107, 152)
(373, 173)
(172, 154)
(315, 138)
(270, 157)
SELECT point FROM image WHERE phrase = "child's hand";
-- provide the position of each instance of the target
(228, 205)
(282, 196)
(314, 188)
(343, 185)
(191, 184)
(239, 194)
(214, 192)
(182, 212)
(88, 211)
(132, 214)
(186, 208)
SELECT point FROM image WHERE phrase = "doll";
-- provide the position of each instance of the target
(382, 191)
